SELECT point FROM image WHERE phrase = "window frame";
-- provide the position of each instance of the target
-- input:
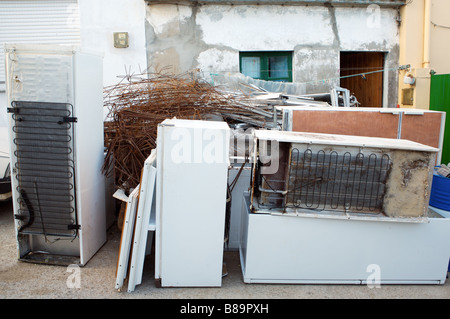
(264, 63)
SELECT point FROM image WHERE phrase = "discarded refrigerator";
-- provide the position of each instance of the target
(191, 191)
(341, 209)
(56, 144)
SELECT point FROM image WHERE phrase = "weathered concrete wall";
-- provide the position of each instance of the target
(99, 20)
(209, 37)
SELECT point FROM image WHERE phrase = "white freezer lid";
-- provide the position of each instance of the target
(342, 140)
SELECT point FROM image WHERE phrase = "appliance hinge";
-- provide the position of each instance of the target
(71, 227)
(68, 119)
(14, 110)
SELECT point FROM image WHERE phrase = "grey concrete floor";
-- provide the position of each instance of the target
(20, 280)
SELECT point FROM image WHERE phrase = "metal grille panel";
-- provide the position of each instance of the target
(338, 181)
(43, 137)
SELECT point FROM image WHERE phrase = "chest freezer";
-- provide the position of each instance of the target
(307, 249)
(341, 173)
(341, 209)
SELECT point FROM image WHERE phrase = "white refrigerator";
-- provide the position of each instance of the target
(191, 192)
(55, 112)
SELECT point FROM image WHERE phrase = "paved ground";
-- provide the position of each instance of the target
(25, 280)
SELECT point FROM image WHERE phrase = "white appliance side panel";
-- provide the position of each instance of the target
(242, 185)
(89, 152)
(39, 77)
(158, 203)
(192, 212)
(326, 250)
(243, 235)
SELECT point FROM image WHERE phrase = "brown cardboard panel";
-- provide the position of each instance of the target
(423, 129)
(374, 124)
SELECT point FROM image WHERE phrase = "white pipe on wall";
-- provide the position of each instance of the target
(426, 34)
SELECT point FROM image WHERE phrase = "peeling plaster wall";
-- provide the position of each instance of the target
(209, 37)
(171, 37)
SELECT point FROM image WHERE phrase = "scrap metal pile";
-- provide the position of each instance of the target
(140, 102)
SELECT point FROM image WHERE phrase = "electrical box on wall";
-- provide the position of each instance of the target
(121, 39)
(408, 96)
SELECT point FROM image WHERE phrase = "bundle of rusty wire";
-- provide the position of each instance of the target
(139, 103)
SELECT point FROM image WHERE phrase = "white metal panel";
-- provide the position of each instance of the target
(141, 230)
(326, 250)
(38, 21)
(37, 75)
(89, 151)
(127, 237)
(242, 185)
(191, 198)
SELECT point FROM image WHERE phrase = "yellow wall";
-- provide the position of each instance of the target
(424, 44)
(440, 36)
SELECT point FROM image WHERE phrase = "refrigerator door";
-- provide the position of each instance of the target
(126, 237)
(190, 206)
(142, 226)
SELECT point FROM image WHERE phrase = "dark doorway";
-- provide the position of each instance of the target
(367, 86)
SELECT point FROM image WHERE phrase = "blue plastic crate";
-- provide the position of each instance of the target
(440, 192)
